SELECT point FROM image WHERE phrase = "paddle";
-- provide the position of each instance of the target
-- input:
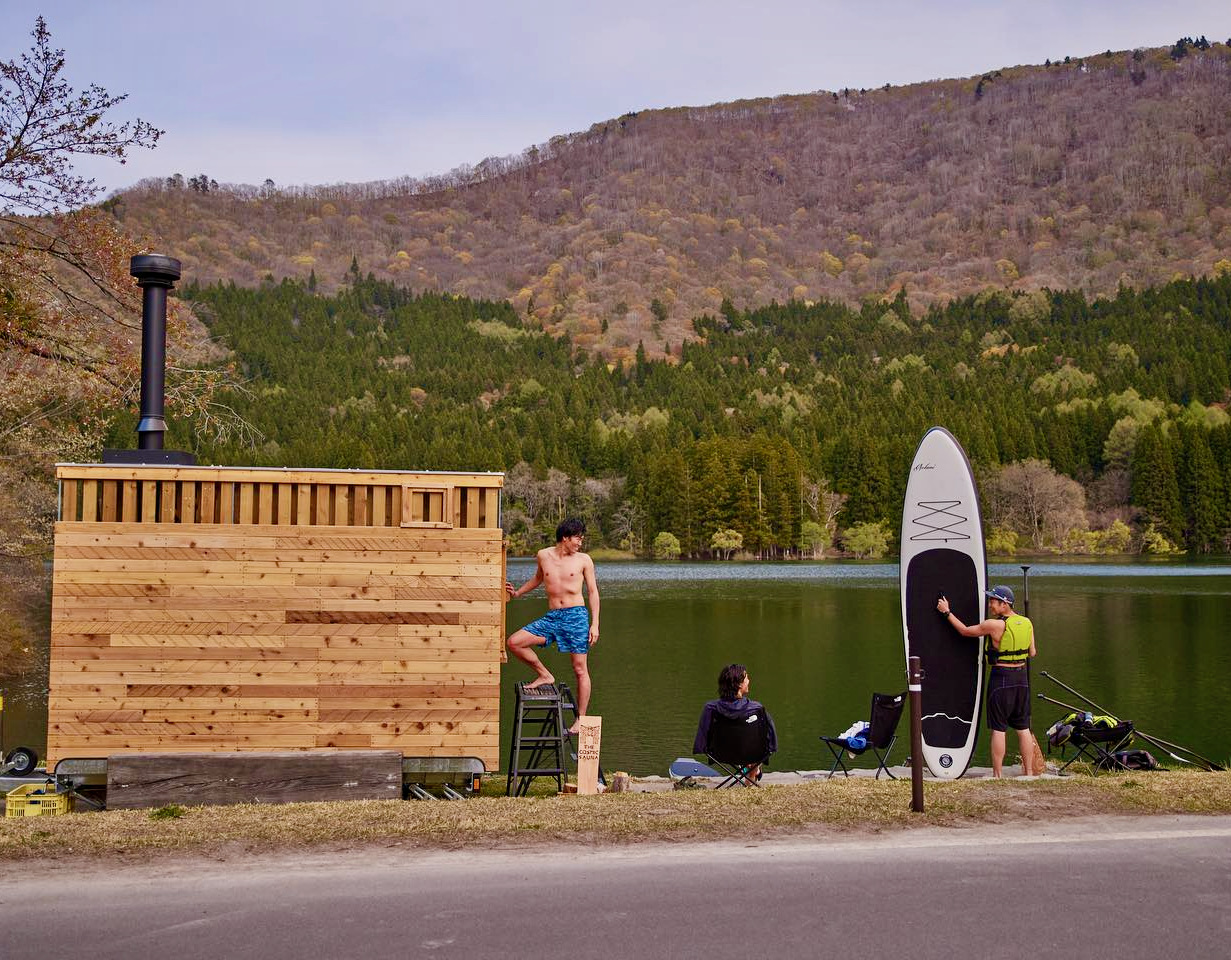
(1175, 746)
(1038, 764)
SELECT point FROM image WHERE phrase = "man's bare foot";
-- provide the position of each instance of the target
(540, 682)
(572, 731)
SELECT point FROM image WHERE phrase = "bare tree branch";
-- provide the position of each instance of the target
(45, 123)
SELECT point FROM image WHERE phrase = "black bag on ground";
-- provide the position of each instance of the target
(1130, 760)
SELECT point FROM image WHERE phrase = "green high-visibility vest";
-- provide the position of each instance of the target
(1016, 639)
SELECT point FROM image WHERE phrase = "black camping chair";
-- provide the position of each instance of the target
(880, 736)
(1097, 744)
(735, 746)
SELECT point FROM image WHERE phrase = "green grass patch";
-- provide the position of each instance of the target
(816, 808)
(611, 553)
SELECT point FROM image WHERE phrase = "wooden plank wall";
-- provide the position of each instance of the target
(206, 609)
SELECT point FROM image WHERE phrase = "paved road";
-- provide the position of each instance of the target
(1123, 888)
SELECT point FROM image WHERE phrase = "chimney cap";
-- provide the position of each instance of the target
(155, 269)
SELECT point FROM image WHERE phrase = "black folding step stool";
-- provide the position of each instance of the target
(537, 747)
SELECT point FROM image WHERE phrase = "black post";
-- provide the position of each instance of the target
(155, 275)
(915, 688)
(1025, 589)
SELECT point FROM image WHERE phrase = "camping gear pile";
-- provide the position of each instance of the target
(1104, 740)
(1100, 739)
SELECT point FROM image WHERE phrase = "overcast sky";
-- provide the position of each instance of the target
(320, 92)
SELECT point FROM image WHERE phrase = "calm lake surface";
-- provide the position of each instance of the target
(1149, 642)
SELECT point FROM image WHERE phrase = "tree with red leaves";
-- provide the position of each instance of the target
(69, 312)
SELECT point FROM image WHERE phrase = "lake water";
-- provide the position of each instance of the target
(1149, 642)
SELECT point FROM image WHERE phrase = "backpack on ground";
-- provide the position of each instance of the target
(1129, 760)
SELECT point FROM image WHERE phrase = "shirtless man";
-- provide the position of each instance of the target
(561, 569)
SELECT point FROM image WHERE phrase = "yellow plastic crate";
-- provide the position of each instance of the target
(36, 800)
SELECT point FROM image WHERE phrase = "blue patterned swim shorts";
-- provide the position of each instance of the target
(568, 628)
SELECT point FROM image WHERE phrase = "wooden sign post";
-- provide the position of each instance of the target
(589, 739)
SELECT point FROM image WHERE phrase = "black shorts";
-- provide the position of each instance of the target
(1008, 699)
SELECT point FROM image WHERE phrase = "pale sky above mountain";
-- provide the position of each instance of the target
(318, 92)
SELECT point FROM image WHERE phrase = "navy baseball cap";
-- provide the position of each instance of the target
(1001, 593)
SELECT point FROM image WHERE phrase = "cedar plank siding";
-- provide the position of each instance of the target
(218, 609)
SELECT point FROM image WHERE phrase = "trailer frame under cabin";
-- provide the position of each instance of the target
(204, 609)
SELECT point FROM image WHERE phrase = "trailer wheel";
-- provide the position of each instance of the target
(23, 761)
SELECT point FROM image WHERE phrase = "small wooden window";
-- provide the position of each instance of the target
(427, 505)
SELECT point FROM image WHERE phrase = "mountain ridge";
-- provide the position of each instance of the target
(1106, 171)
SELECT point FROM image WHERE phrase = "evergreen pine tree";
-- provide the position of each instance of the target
(1201, 491)
(1155, 488)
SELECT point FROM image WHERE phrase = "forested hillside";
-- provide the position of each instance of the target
(779, 431)
(1085, 174)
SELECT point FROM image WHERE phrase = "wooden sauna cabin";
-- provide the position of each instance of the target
(209, 609)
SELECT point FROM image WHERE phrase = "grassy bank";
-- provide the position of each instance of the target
(824, 807)
(608, 553)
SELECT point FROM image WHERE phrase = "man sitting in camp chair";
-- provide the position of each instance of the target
(734, 731)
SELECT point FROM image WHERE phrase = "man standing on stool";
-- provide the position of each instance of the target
(1008, 687)
(562, 570)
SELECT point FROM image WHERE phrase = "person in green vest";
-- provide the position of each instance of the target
(1008, 686)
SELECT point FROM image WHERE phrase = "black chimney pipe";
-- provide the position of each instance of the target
(156, 274)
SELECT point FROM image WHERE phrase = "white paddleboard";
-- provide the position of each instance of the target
(942, 553)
